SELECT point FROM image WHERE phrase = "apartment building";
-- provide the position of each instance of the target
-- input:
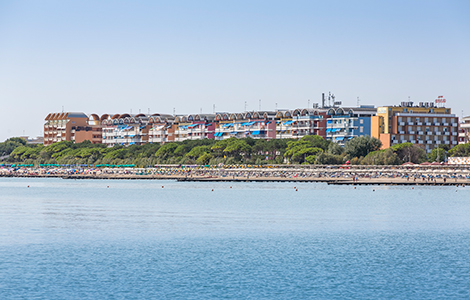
(61, 126)
(125, 129)
(194, 127)
(345, 123)
(257, 125)
(464, 132)
(424, 124)
(300, 122)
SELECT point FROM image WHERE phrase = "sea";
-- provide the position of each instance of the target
(145, 239)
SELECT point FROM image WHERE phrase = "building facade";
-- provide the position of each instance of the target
(60, 127)
(343, 123)
(464, 131)
(425, 125)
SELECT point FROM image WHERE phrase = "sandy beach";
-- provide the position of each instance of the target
(357, 175)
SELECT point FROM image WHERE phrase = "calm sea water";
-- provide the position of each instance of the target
(67, 239)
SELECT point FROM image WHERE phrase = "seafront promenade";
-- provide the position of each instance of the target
(356, 175)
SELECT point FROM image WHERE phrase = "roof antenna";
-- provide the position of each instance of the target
(276, 105)
(308, 106)
(200, 111)
(259, 109)
(62, 108)
(149, 110)
(245, 105)
(213, 108)
(174, 111)
(358, 101)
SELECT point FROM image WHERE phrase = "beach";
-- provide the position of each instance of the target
(357, 175)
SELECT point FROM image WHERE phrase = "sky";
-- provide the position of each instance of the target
(187, 56)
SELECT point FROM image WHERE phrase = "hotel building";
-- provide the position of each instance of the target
(424, 125)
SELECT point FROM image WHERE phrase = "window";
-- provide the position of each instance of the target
(361, 121)
(361, 129)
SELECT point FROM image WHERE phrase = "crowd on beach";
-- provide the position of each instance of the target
(333, 173)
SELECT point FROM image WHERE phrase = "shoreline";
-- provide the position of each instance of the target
(183, 178)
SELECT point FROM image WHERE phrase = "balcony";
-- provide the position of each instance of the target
(454, 142)
(454, 133)
(437, 124)
(447, 133)
(411, 132)
(429, 133)
(401, 132)
(454, 124)
(445, 124)
(428, 123)
(420, 142)
(401, 123)
(420, 132)
(428, 142)
(410, 123)
(419, 123)
(437, 133)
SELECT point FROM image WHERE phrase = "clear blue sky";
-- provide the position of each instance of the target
(113, 56)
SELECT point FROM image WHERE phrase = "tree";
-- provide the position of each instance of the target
(461, 150)
(382, 157)
(361, 146)
(335, 149)
(166, 150)
(198, 151)
(237, 148)
(329, 159)
(297, 151)
(436, 154)
(316, 141)
(408, 152)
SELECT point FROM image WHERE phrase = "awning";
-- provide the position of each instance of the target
(329, 121)
(256, 132)
(131, 143)
(288, 122)
(340, 138)
(329, 129)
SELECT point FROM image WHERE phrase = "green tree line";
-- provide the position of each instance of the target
(310, 149)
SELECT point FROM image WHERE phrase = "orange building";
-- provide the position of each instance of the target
(61, 126)
(425, 125)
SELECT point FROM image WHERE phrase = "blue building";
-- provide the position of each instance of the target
(344, 123)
